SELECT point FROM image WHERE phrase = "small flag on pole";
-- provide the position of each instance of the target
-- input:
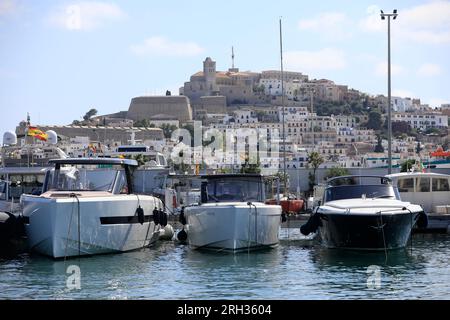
(37, 133)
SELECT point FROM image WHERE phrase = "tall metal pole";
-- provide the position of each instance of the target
(282, 105)
(383, 17)
(389, 100)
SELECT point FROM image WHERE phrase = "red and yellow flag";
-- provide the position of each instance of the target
(37, 133)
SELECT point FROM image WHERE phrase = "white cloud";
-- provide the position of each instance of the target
(402, 93)
(429, 70)
(428, 23)
(381, 69)
(84, 16)
(332, 25)
(312, 61)
(164, 46)
(372, 22)
(436, 102)
(7, 7)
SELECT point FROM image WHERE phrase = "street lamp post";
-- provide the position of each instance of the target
(383, 17)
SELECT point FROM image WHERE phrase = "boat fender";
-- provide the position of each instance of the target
(283, 217)
(163, 218)
(7, 226)
(182, 217)
(311, 225)
(422, 221)
(156, 216)
(167, 233)
(140, 214)
(182, 235)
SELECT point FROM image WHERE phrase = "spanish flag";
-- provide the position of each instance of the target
(37, 133)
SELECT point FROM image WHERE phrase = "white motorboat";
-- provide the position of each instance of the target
(232, 215)
(364, 213)
(430, 190)
(88, 207)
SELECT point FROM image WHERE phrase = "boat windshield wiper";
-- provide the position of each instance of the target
(213, 197)
(382, 196)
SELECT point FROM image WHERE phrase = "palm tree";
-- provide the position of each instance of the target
(314, 161)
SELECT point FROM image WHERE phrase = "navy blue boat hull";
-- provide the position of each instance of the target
(366, 232)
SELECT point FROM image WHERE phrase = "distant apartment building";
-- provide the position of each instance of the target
(343, 121)
(350, 135)
(402, 104)
(244, 116)
(423, 121)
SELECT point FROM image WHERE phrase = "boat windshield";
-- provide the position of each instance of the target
(87, 178)
(361, 191)
(235, 189)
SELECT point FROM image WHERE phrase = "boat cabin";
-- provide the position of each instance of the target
(232, 188)
(430, 190)
(354, 187)
(109, 175)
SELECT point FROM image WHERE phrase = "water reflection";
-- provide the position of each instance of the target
(294, 270)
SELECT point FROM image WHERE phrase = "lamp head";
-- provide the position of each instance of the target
(395, 14)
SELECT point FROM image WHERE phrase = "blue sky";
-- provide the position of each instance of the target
(58, 59)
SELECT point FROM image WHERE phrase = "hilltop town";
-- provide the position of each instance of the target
(346, 127)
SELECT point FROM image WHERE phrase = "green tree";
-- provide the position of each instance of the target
(314, 161)
(375, 122)
(89, 114)
(379, 147)
(142, 123)
(418, 147)
(408, 164)
(168, 129)
(336, 172)
(247, 167)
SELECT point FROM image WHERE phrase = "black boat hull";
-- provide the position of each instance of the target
(366, 231)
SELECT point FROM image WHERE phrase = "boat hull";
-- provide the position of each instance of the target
(233, 227)
(366, 231)
(63, 227)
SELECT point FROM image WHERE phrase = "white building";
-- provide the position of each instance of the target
(245, 116)
(401, 104)
(423, 120)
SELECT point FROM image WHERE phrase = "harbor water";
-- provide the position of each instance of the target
(297, 269)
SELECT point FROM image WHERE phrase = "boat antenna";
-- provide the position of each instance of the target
(282, 112)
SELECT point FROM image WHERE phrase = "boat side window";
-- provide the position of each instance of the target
(440, 184)
(423, 184)
(406, 185)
